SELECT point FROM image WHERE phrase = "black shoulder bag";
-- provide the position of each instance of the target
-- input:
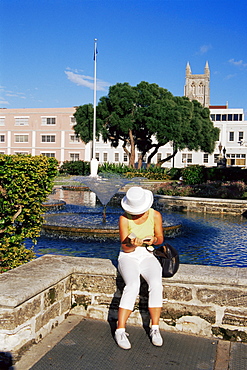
(168, 258)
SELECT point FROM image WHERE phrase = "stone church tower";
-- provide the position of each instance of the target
(197, 86)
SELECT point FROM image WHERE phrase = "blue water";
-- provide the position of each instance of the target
(213, 240)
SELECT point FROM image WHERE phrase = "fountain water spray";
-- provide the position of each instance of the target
(104, 186)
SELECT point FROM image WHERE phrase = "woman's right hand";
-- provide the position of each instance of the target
(136, 242)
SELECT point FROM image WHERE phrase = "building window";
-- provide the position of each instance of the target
(213, 117)
(168, 155)
(189, 158)
(72, 120)
(74, 139)
(116, 157)
(21, 121)
(125, 157)
(105, 157)
(74, 157)
(48, 138)
(235, 117)
(49, 155)
(240, 117)
(2, 121)
(158, 157)
(229, 117)
(186, 158)
(216, 158)
(205, 158)
(21, 153)
(48, 120)
(231, 136)
(2, 138)
(97, 156)
(21, 138)
(218, 117)
(236, 159)
(223, 117)
(241, 137)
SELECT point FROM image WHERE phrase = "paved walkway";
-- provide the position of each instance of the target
(85, 344)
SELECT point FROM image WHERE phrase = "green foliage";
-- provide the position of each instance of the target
(75, 168)
(211, 189)
(174, 173)
(217, 189)
(25, 182)
(193, 174)
(84, 122)
(117, 168)
(226, 174)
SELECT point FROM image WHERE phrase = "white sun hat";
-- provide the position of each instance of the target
(137, 200)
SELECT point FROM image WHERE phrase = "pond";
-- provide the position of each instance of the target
(204, 239)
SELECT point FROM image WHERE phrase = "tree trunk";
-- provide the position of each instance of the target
(132, 150)
(152, 155)
(159, 164)
(139, 162)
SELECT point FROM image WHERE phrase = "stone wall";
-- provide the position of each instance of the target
(202, 205)
(34, 298)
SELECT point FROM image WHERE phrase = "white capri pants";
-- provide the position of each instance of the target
(131, 266)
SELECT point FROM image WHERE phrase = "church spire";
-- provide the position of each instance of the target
(188, 69)
(206, 69)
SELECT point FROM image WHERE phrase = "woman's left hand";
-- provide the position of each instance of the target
(149, 240)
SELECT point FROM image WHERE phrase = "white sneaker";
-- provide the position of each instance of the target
(122, 340)
(156, 337)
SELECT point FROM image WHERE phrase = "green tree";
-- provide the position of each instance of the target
(146, 117)
(84, 122)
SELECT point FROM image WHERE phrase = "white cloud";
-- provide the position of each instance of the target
(16, 95)
(204, 49)
(3, 101)
(239, 63)
(87, 81)
(228, 77)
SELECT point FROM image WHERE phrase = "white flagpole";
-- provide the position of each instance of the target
(94, 99)
(94, 162)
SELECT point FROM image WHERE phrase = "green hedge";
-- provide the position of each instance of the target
(25, 183)
(75, 168)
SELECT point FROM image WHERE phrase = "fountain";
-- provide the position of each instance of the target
(78, 221)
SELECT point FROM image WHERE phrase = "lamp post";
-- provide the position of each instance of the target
(224, 157)
(220, 148)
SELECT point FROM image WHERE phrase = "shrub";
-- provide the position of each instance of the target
(216, 189)
(25, 182)
(75, 168)
(193, 174)
(174, 173)
(117, 168)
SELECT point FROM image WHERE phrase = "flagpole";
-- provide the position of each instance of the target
(94, 162)
(94, 99)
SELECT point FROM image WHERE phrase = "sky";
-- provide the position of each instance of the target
(47, 47)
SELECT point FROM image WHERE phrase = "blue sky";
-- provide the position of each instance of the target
(46, 48)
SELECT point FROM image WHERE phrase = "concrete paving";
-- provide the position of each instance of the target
(83, 344)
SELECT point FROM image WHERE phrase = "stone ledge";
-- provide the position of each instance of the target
(34, 277)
